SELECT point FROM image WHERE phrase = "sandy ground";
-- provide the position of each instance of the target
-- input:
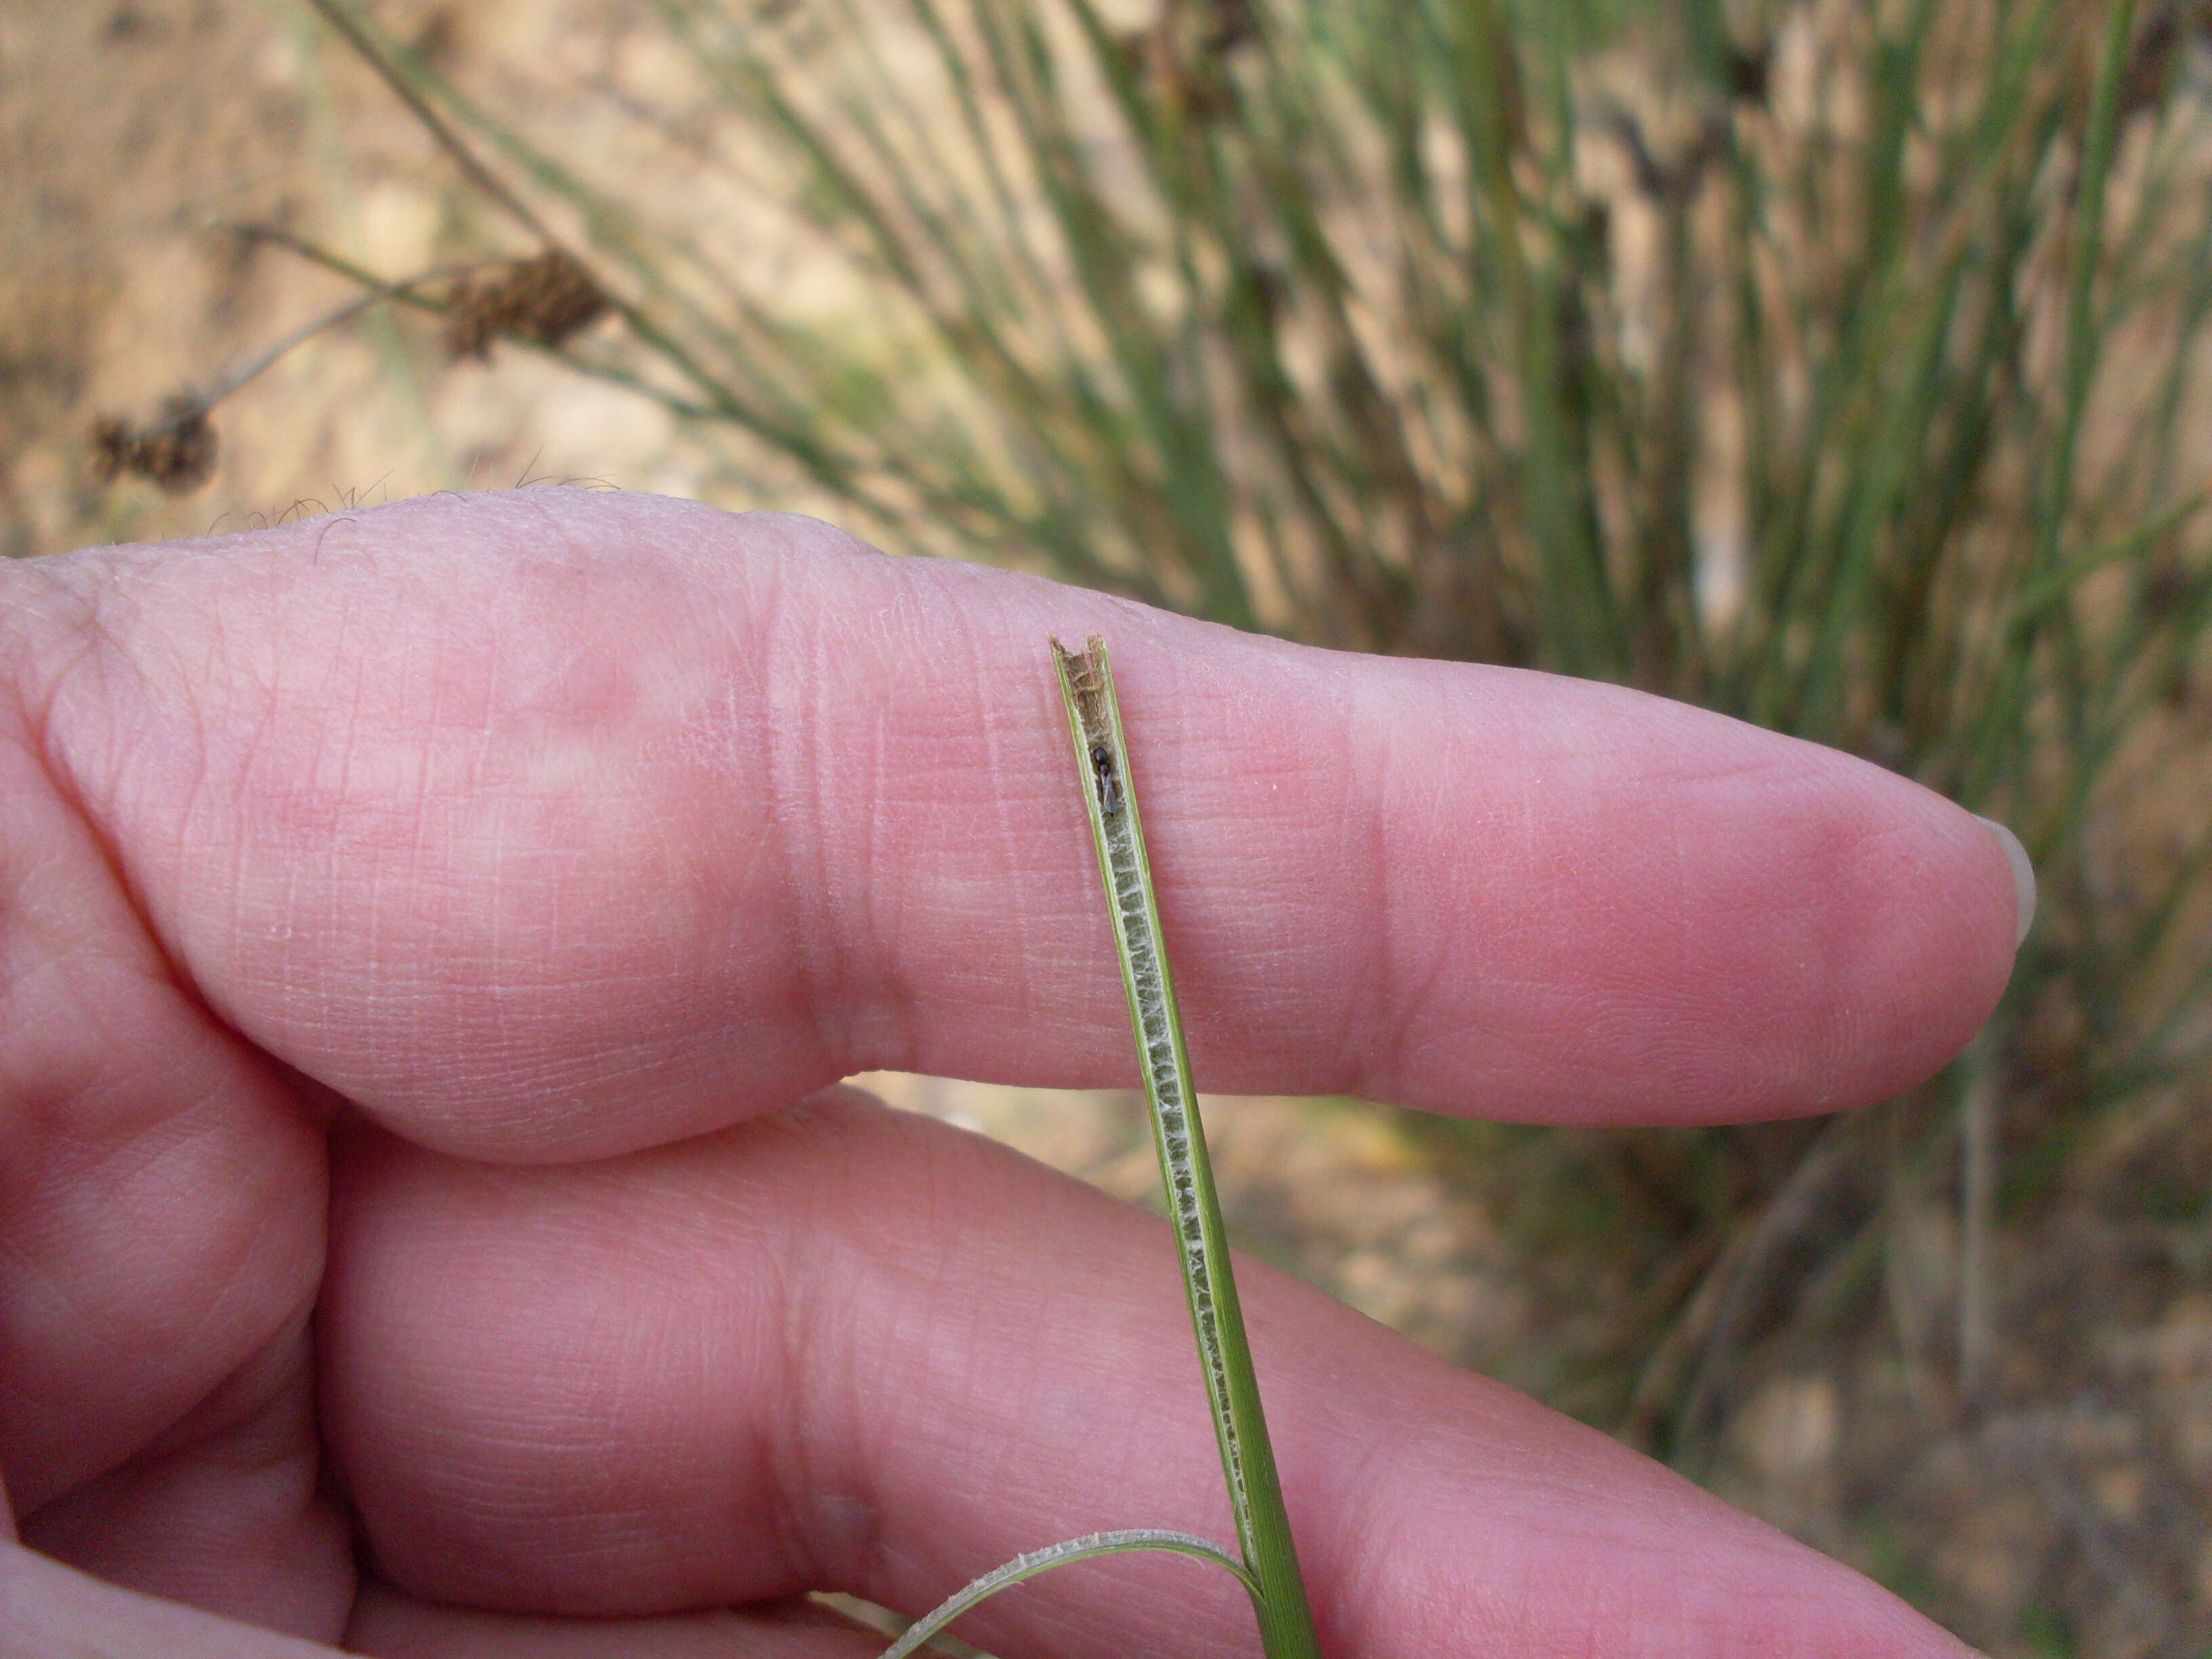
(2068, 1516)
(130, 133)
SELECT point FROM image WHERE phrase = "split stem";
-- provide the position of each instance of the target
(1263, 1530)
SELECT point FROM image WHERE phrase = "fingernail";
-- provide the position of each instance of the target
(2023, 877)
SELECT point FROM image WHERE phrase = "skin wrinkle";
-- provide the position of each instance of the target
(277, 684)
(869, 1433)
(268, 1228)
(800, 791)
(1843, 1029)
(154, 1143)
(418, 858)
(1408, 982)
(1525, 925)
(1414, 986)
(1023, 919)
(241, 935)
(863, 1027)
(36, 1109)
(1261, 985)
(994, 784)
(806, 1469)
(862, 990)
(219, 648)
(34, 689)
(990, 777)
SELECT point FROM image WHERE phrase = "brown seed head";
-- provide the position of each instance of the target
(176, 451)
(547, 299)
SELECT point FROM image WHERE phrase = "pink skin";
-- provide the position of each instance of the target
(407, 919)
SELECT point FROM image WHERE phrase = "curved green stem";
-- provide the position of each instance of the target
(1088, 1548)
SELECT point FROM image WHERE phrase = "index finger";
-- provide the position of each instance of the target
(557, 824)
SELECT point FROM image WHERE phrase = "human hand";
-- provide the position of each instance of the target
(416, 926)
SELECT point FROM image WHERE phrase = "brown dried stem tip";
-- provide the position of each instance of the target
(177, 451)
(546, 299)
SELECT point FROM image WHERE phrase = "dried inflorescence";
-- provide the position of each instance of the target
(546, 299)
(1183, 56)
(176, 450)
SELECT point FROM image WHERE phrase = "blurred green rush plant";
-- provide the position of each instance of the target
(1836, 366)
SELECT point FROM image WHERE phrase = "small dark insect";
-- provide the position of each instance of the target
(1109, 781)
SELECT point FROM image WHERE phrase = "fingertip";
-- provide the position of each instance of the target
(1940, 920)
(2023, 878)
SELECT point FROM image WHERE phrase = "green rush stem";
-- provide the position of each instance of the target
(1263, 1529)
